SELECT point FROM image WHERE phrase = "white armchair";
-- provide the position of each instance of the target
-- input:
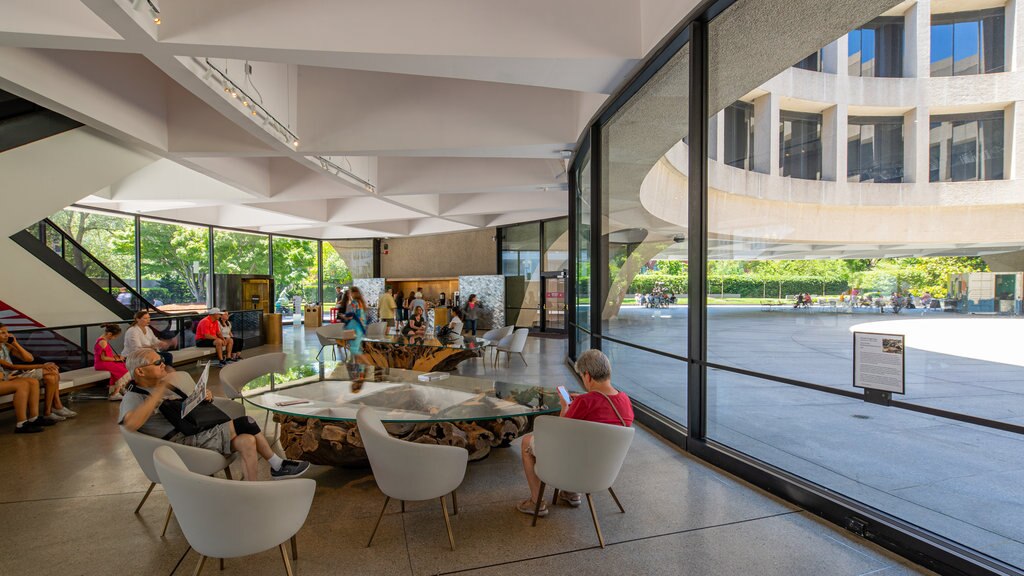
(211, 511)
(199, 460)
(579, 456)
(409, 471)
(377, 330)
(330, 334)
(513, 344)
(234, 377)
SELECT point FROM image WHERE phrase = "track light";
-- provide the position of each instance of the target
(245, 103)
(295, 143)
(156, 20)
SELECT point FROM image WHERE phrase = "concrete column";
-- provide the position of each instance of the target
(716, 136)
(917, 39)
(766, 134)
(1015, 52)
(1013, 141)
(915, 145)
(830, 58)
(834, 131)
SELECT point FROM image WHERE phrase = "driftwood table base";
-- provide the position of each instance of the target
(421, 358)
(337, 443)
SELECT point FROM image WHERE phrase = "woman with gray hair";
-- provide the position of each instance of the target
(601, 403)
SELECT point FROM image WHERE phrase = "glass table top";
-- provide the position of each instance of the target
(336, 391)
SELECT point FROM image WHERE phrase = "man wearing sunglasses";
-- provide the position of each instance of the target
(139, 412)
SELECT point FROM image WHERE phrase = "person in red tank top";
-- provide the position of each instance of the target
(601, 403)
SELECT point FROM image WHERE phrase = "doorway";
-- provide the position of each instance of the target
(553, 302)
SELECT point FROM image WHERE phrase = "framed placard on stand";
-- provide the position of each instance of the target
(879, 365)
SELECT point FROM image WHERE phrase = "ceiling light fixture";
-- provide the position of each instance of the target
(334, 169)
(255, 108)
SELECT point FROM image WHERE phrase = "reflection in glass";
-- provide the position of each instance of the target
(800, 144)
(966, 147)
(965, 43)
(875, 149)
(521, 266)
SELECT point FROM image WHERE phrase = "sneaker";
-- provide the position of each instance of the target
(54, 417)
(290, 469)
(42, 422)
(528, 506)
(115, 397)
(222, 363)
(66, 412)
(28, 428)
(571, 498)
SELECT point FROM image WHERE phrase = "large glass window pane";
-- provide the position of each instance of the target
(556, 245)
(652, 379)
(175, 265)
(800, 145)
(295, 273)
(993, 42)
(854, 57)
(643, 217)
(739, 135)
(966, 48)
(240, 253)
(520, 263)
(583, 248)
(942, 49)
(108, 237)
(968, 42)
(796, 268)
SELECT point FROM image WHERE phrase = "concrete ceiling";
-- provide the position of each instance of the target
(374, 119)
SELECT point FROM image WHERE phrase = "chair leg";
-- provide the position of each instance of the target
(320, 352)
(616, 498)
(593, 514)
(540, 499)
(284, 556)
(375, 526)
(455, 503)
(403, 506)
(447, 524)
(523, 358)
(199, 567)
(139, 507)
(222, 564)
(227, 472)
(554, 496)
(295, 547)
(167, 520)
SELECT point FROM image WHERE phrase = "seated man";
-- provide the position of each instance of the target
(139, 412)
(601, 403)
(45, 373)
(208, 335)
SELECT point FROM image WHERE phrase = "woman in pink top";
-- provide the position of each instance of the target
(104, 358)
(602, 403)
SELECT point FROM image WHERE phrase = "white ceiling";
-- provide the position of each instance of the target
(460, 114)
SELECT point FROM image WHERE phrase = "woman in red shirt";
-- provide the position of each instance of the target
(602, 403)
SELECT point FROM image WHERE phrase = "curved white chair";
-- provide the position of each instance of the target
(513, 344)
(409, 471)
(234, 377)
(579, 456)
(377, 330)
(222, 519)
(199, 460)
(329, 335)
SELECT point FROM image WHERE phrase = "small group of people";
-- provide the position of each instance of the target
(27, 380)
(803, 300)
(215, 331)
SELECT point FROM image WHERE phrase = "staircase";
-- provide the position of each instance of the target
(58, 250)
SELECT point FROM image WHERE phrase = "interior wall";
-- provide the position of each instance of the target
(441, 256)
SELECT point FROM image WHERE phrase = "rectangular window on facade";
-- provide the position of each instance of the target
(874, 149)
(966, 147)
(876, 49)
(965, 43)
(800, 145)
(739, 135)
(812, 62)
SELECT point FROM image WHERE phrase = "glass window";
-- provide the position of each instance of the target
(556, 245)
(800, 145)
(583, 251)
(240, 253)
(966, 147)
(812, 62)
(108, 237)
(295, 272)
(175, 265)
(739, 135)
(520, 263)
(965, 43)
(876, 49)
(875, 149)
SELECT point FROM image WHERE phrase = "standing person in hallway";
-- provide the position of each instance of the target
(140, 335)
(602, 403)
(356, 315)
(418, 302)
(46, 374)
(400, 313)
(208, 335)
(105, 358)
(386, 307)
(139, 413)
(471, 313)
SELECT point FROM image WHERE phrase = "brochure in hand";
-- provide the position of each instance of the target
(197, 395)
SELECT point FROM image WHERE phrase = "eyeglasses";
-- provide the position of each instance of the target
(157, 363)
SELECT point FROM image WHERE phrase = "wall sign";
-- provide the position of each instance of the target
(879, 362)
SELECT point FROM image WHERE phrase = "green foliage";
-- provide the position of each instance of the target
(176, 255)
(239, 253)
(295, 268)
(336, 272)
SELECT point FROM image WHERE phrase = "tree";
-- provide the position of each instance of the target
(180, 252)
(240, 253)
(295, 267)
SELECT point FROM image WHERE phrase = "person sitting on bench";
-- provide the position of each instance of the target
(208, 335)
(46, 374)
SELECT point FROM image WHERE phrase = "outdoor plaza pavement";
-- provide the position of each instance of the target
(957, 479)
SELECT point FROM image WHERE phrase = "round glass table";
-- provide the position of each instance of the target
(315, 405)
(426, 354)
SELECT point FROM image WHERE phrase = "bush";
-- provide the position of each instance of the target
(746, 285)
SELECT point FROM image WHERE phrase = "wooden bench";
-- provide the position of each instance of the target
(191, 354)
(70, 380)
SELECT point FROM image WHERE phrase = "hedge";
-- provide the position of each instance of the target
(745, 286)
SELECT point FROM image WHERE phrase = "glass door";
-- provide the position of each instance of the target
(553, 304)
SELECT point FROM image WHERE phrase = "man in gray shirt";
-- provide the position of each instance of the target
(140, 412)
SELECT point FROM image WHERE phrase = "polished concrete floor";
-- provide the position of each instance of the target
(67, 496)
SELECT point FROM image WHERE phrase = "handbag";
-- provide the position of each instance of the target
(202, 417)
